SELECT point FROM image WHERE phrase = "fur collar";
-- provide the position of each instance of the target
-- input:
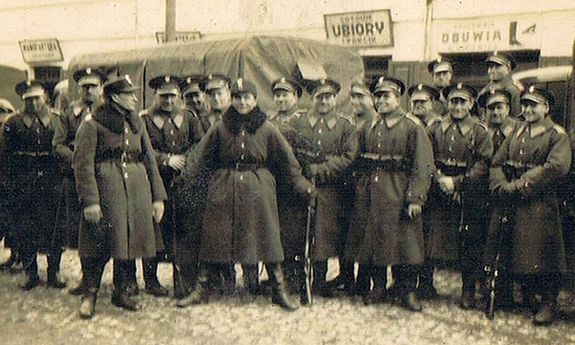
(252, 121)
(113, 117)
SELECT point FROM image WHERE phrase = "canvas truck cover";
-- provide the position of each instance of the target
(260, 59)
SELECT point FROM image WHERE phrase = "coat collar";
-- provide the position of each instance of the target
(329, 119)
(541, 127)
(79, 107)
(43, 116)
(160, 119)
(390, 119)
(464, 125)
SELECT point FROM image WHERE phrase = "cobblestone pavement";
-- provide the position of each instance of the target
(48, 316)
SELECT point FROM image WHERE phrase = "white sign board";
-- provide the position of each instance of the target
(47, 50)
(360, 29)
(181, 36)
(487, 34)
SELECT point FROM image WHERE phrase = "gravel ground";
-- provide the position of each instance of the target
(48, 316)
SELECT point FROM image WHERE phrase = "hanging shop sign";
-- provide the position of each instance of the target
(488, 34)
(46, 50)
(360, 29)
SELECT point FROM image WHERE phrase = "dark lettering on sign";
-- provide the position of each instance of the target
(358, 29)
(471, 36)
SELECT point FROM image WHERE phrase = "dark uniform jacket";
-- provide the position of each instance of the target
(292, 211)
(115, 167)
(65, 126)
(245, 153)
(463, 151)
(532, 159)
(31, 171)
(326, 144)
(500, 133)
(393, 170)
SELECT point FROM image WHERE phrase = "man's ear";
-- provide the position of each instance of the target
(114, 97)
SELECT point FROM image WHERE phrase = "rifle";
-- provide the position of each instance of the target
(493, 271)
(309, 241)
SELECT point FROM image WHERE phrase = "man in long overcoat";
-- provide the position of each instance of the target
(246, 153)
(325, 147)
(462, 150)
(120, 190)
(31, 169)
(396, 160)
(173, 132)
(525, 174)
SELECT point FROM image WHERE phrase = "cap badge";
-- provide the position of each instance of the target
(167, 79)
(283, 80)
(189, 80)
(532, 89)
(420, 87)
(459, 86)
(88, 70)
(28, 83)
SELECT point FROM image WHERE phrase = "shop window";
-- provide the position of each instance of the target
(375, 65)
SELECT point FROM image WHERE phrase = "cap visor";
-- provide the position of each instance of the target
(34, 93)
(534, 98)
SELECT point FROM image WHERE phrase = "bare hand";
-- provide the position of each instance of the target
(158, 210)
(177, 162)
(93, 214)
(413, 210)
(446, 184)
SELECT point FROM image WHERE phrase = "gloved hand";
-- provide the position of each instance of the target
(93, 214)
(158, 210)
(177, 162)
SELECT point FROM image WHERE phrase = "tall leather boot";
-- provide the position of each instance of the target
(379, 292)
(467, 291)
(229, 279)
(153, 286)
(251, 284)
(549, 291)
(54, 280)
(363, 284)
(200, 293)
(425, 288)
(346, 278)
(320, 286)
(120, 297)
(406, 281)
(88, 303)
(31, 268)
(279, 291)
(80, 288)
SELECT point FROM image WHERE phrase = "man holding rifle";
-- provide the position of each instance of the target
(525, 172)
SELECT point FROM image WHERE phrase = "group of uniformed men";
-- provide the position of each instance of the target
(441, 183)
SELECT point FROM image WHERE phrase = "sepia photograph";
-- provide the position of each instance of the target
(287, 172)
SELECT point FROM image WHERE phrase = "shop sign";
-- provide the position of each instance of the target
(360, 29)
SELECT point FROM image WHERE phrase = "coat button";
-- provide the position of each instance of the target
(127, 142)
(125, 175)
(376, 179)
(243, 145)
(452, 137)
(379, 134)
(319, 142)
(172, 132)
(242, 156)
(521, 151)
(378, 145)
(241, 177)
(319, 131)
(173, 143)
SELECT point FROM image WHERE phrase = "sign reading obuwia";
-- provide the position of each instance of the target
(360, 29)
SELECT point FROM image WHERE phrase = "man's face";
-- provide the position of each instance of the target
(90, 93)
(497, 72)
(167, 102)
(220, 98)
(285, 100)
(126, 100)
(420, 107)
(244, 102)
(361, 103)
(442, 79)
(324, 103)
(195, 100)
(386, 101)
(34, 104)
(533, 111)
(459, 108)
(497, 112)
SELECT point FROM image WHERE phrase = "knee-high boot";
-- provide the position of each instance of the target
(31, 269)
(279, 293)
(54, 280)
(153, 286)
(200, 293)
(320, 286)
(92, 269)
